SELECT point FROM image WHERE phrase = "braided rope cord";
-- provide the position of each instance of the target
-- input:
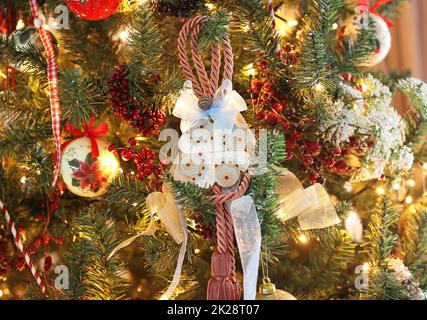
(203, 85)
(206, 86)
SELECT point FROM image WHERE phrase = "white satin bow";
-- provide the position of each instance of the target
(227, 104)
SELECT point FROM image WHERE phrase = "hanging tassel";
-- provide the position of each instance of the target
(223, 285)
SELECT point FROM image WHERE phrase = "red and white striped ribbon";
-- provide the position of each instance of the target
(274, 27)
(21, 248)
(52, 71)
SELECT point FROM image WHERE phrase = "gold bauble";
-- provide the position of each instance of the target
(268, 291)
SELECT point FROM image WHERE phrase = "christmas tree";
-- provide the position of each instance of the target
(191, 149)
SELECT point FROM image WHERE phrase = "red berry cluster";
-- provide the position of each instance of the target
(140, 116)
(202, 228)
(53, 203)
(149, 168)
(316, 158)
(289, 54)
(268, 103)
(4, 263)
(17, 261)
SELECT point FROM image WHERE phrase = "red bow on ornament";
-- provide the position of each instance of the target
(89, 131)
(363, 6)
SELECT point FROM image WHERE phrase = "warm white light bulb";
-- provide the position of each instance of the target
(124, 35)
(409, 199)
(380, 191)
(318, 87)
(20, 24)
(109, 164)
(411, 182)
(210, 6)
(251, 72)
(354, 226)
(303, 238)
(292, 23)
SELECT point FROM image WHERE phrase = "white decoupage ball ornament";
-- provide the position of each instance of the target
(360, 22)
(26, 37)
(84, 175)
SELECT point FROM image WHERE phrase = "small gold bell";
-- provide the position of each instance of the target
(205, 103)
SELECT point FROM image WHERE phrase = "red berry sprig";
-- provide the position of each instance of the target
(140, 116)
(149, 168)
(203, 229)
(316, 158)
(4, 265)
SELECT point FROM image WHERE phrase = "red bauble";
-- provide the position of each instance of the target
(93, 9)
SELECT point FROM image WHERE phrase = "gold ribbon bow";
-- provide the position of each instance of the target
(163, 205)
(312, 205)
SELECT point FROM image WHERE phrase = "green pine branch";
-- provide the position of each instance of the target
(192, 197)
(416, 114)
(392, 9)
(328, 261)
(383, 285)
(94, 277)
(251, 22)
(84, 42)
(127, 194)
(81, 97)
(379, 242)
(29, 59)
(317, 62)
(381, 233)
(215, 30)
(414, 238)
(14, 143)
(145, 44)
(354, 53)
